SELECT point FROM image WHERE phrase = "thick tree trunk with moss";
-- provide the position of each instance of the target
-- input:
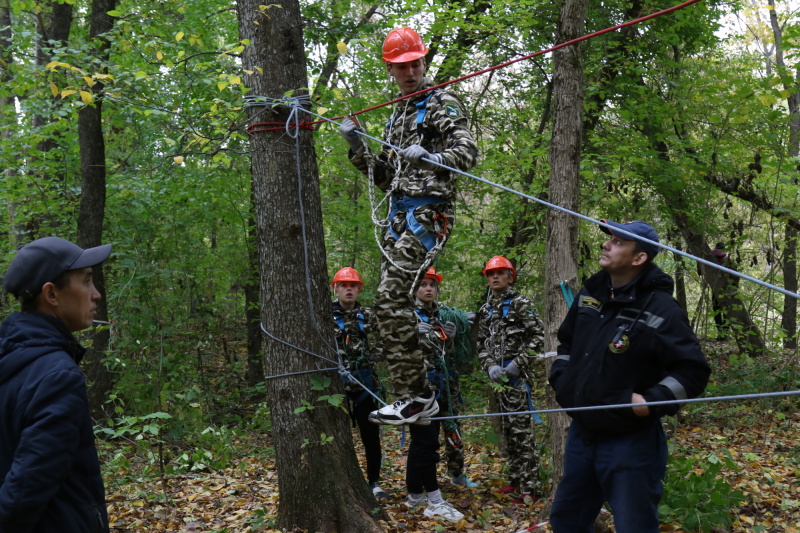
(562, 229)
(321, 484)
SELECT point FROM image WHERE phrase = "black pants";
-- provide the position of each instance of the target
(423, 458)
(370, 436)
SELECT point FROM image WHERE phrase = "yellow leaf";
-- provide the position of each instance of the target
(322, 110)
(342, 47)
(51, 64)
(140, 74)
(338, 94)
(53, 89)
(159, 55)
(179, 36)
(178, 159)
(89, 81)
(67, 92)
(260, 70)
(87, 97)
(248, 72)
(221, 85)
(746, 519)
(233, 80)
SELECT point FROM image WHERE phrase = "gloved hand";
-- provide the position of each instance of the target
(470, 316)
(512, 370)
(348, 129)
(424, 328)
(415, 153)
(495, 372)
(449, 329)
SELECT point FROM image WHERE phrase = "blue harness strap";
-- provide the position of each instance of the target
(339, 318)
(515, 382)
(409, 204)
(506, 307)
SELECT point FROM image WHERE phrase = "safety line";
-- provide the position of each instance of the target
(579, 215)
(624, 405)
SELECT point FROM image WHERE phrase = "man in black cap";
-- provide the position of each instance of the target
(625, 340)
(49, 471)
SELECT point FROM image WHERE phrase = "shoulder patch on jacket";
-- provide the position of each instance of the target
(452, 111)
(588, 301)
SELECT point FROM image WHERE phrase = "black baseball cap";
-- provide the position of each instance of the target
(638, 228)
(43, 260)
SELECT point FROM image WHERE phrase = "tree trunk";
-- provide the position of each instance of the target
(255, 357)
(789, 317)
(562, 229)
(321, 484)
(93, 205)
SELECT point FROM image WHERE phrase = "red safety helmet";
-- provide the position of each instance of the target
(499, 262)
(431, 273)
(402, 45)
(347, 274)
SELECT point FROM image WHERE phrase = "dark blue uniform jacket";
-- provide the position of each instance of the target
(640, 341)
(49, 471)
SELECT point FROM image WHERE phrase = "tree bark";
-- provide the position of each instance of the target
(92, 207)
(562, 228)
(255, 357)
(321, 484)
(789, 316)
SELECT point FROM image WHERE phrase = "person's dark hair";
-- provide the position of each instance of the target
(638, 249)
(719, 246)
(61, 282)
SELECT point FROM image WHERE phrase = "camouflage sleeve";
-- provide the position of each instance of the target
(383, 171)
(448, 116)
(483, 333)
(527, 335)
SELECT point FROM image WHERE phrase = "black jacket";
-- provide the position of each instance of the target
(656, 354)
(49, 471)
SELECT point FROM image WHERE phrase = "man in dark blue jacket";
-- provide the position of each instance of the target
(624, 341)
(50, 478)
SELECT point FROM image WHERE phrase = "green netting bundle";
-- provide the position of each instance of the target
(463, 347)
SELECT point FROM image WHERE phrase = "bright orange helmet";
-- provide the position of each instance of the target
(402, 45)
(347, 274)
(431, 273)
(499, 262)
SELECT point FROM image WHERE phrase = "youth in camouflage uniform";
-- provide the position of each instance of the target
(510, 333)
(436, 340)
(353, 326)
(421, 214)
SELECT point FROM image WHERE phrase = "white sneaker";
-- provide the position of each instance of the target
(443, 509)
(413, 503)
(378, 492)
(406, 411)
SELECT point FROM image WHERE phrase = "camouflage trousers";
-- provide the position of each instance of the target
(523, 465)
(395, 298)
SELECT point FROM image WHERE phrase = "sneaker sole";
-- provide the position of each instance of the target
(432, 515)
(376, 419)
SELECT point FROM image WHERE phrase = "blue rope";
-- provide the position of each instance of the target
(623, 405)
(584, 217)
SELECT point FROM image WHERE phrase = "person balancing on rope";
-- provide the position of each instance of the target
(625, 340)
(353, 326)
(430, 129)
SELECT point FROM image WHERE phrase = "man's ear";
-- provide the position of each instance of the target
(49, 294)
(640, 259)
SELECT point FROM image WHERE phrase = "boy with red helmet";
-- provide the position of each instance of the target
(510, 333)
(353, 326)
(431, 130)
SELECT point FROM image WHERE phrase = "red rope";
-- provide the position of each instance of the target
(309, 125)
(304, 125)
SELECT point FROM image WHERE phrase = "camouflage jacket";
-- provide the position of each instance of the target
(353, 329)
(518, 336)
(432, 344)
(445, 131)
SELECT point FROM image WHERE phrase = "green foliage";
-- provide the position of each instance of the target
(695, 495)
(328, 400)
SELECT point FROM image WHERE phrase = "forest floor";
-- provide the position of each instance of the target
(751, 447)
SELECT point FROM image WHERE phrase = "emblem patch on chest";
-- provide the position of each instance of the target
(588, 301)
(621, 345)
